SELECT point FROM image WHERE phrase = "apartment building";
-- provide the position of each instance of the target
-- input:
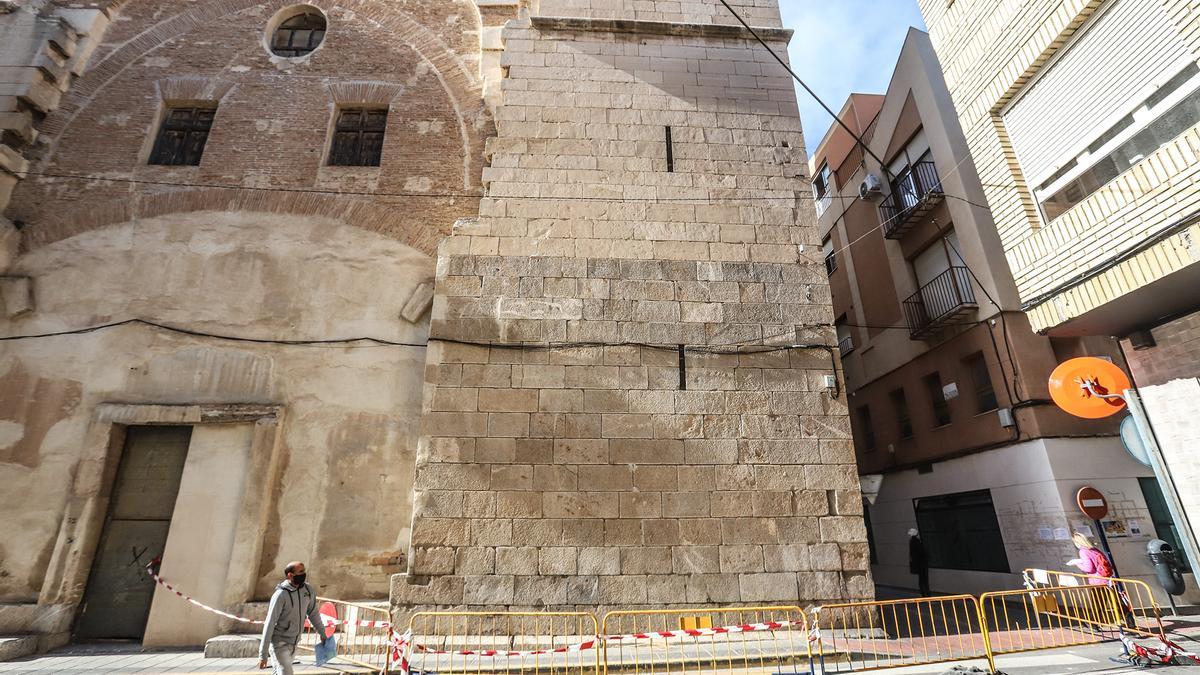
(946, 376)
(1083, 118)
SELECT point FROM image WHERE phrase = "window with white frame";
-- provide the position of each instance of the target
(823, 188)
(1124, 85)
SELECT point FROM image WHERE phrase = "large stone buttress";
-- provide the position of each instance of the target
(647, 191)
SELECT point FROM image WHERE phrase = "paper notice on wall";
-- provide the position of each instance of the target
(1062, 534)
(1083, 528)
(1045, 534)
(1135, 528)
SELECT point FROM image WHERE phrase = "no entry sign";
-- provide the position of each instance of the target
(1091, 502)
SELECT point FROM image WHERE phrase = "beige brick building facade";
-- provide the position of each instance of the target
(610, 198)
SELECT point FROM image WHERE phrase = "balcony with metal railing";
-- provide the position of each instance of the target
(846, 345)
(947, 297)
(914, 193)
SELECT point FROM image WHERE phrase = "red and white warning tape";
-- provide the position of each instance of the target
(402, 645)
(328, 620)
(163, 582)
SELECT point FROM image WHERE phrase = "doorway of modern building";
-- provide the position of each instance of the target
(116, 602)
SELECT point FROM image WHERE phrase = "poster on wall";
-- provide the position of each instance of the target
(1115, 529)
(1062, 534)
(1045, 534)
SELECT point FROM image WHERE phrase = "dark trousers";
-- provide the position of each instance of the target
(923, 582)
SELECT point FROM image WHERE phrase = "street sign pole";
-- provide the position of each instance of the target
(1093, 505)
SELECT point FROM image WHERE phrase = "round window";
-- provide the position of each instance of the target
(299, 34)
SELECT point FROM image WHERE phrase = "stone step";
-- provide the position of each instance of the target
(15, 646)
(232, 647)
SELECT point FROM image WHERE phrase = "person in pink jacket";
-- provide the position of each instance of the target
(1091, 561)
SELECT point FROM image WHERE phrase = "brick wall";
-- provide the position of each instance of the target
(587, 476)
(273, 119)
(1176, 353)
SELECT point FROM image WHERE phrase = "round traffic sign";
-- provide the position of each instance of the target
(1067, 387)
(1091, 502)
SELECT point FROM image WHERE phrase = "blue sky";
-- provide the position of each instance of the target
(844, 46)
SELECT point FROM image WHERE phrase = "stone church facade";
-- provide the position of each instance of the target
(594, 214)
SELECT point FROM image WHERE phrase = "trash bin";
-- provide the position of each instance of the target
(1166, 568)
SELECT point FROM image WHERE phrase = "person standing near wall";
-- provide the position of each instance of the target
(918, 561)
(292, 601)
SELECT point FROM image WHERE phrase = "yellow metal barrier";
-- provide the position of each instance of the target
(1140, 612)
(761, 640)
(449, 643)
(362, 642)
(1048, 618)
(859, 636)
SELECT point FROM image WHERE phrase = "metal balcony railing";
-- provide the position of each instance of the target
(915, 192)
(939, 302)
(846, 345)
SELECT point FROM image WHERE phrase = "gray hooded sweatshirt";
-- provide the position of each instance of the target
(285, 616)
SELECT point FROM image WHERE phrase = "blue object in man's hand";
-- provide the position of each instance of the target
(326, 651)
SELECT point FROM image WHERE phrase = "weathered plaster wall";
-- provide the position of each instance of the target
(350, 416)
(261, 240)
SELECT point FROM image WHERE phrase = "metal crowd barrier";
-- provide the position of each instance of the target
(1140, 613)
(741, 639)
(1049, 618)
(363, 635)
(554, 643)
(1057, 610)
(859, 636)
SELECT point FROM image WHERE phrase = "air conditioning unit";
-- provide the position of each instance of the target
(870, 188)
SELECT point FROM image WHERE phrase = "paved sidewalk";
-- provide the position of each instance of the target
(114, 659)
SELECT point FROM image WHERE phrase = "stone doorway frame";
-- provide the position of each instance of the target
(87, 505)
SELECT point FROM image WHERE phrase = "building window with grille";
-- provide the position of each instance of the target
(299, 34)
(182, 136)
(865, 429)
(358, 137)
(937, 399)
(981, 380)
(903, 419)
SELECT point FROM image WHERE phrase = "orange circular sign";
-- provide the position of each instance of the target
(1079, 386)
(1092, 502)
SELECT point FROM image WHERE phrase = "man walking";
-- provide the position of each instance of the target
(292, 601)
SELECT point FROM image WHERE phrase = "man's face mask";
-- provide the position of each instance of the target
(298, 579)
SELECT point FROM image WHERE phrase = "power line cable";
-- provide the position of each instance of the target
(759, 345)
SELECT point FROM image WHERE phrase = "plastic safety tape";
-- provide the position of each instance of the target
(328, 620)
